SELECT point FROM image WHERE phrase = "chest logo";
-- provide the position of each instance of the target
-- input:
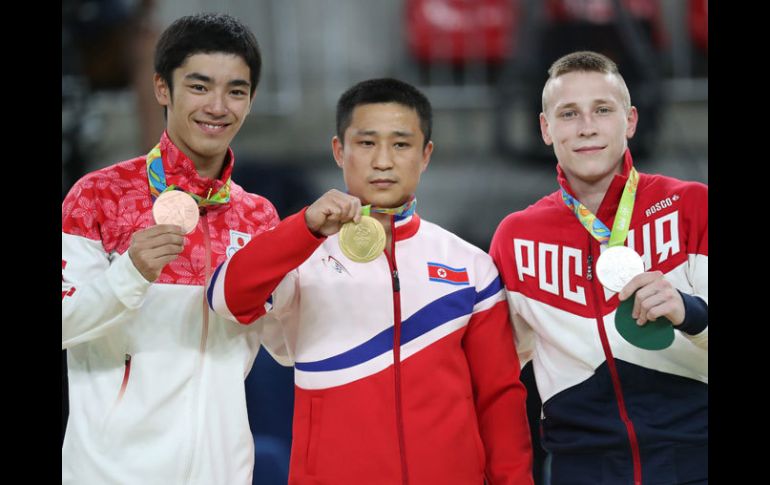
(237, 241)
(441, 273)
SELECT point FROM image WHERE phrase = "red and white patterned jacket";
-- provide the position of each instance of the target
(155, 384)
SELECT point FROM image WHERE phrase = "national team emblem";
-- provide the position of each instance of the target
(445, 274)
(335, 265)
(237, 241)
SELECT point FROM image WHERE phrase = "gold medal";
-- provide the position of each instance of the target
(364, 241)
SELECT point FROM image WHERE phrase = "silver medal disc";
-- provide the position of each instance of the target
(617, 266)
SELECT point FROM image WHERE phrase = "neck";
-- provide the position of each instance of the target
(206, 167)
(209, 168)
(590, 194)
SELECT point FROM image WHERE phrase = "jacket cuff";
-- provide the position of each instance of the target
(126, 282)
(696, 315)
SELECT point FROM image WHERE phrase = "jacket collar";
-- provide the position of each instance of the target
(611, 199)
(180, 170)
(406, 227)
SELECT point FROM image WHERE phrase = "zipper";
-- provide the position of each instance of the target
(397, 350)
(126, 374)
(632, 439)
(123, 385)
(202, 349)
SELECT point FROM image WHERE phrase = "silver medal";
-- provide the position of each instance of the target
(617, 266)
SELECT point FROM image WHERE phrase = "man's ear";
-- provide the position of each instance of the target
(337, 149)
(544, 130)
(162, 90)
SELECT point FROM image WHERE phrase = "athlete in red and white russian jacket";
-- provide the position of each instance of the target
(612, 412)
(405, 367)
(156, 380)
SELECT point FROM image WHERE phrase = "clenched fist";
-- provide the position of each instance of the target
(326, 215)
(153, 248)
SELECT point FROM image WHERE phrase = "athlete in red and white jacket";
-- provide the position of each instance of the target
(144, 357)
(613, 412)
(405, 367)
(156, 380)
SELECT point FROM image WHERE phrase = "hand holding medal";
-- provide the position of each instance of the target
(619, 265)
(365, 241)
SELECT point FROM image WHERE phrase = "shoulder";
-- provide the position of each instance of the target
(254, 206)
(541, 212)
(689, 194)
(109, 183)
(453, 245)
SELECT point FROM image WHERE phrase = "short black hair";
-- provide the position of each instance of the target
(206, 33)
(384, 90)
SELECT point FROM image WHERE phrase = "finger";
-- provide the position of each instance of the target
(333, 210)
(637, 307)
(652, 305)
(162, 251)
(636, 282)
(161, 262)
(167, 228)
(153, 242)
(354, 211)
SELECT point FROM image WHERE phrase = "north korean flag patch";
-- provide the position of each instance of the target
(442, 273)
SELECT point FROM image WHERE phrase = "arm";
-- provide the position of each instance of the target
(499, 395)
(501, 251)
(241, 287)
(100, 291)
(686, 304)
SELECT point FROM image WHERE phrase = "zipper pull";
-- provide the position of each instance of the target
(396, 283)
(590, 269)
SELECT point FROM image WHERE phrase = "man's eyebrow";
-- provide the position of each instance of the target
(239, 82)
(400, 133)
(196, 76)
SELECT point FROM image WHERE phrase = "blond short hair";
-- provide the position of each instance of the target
(587, 61)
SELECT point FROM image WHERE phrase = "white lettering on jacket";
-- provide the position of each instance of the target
(557, 268)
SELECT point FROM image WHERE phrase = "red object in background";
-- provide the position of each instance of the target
(699, 23)
(461, 30)
(602, 12)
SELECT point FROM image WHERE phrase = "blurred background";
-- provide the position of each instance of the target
(482, 63)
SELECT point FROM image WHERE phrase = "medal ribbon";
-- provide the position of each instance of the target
(402, 211)
(597, 228)
(156, 175)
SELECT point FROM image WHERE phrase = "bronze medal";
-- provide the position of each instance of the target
(362, 242)
(176, 207)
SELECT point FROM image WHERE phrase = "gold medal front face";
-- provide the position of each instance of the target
(364, 241)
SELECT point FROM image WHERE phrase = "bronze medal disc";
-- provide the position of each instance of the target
(176, 207)
(362, 242)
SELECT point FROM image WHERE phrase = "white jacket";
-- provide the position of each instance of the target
(156, 391)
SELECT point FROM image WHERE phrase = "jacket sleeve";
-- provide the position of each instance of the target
(501, 250)
(695, 326)
(99, 290)
(499, 395)
(261, 280)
